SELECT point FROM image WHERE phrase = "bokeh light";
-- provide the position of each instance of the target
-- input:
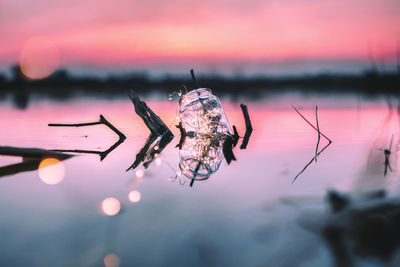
(51, 171)
(111, 206)
(39, 58)
(112, 260)
(139, 173)
(135, 196)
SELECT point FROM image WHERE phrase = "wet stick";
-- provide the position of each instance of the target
(102, 120)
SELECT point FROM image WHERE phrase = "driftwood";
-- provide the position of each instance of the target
(32, 153)
(231, 141)
(31, 158)
(102, 120)
(183, 135)
(152, 121)
(249, 128)
(157, 128)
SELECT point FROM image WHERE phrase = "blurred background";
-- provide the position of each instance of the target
(285, 201)
(214, 37)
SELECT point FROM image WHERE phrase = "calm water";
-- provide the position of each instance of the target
(246, 214)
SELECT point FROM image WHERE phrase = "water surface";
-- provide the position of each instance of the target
(246, 214)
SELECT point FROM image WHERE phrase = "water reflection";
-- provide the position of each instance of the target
(51, 170)
(112, 260)
(220, 217)
(135, 196)
(111, 206)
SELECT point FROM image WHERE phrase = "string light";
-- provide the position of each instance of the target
(205, 122)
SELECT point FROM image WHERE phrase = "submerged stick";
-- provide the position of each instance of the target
(102, 120)
(249, 128)
(319, 134)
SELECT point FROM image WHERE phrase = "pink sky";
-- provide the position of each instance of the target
(136, 33)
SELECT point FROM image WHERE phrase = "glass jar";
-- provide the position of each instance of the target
(207, 127)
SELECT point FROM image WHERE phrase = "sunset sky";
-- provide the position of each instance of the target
(239, 35)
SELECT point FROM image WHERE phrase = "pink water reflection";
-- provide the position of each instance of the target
(233, 201)
(280, 137)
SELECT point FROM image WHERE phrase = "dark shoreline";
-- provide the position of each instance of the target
(62, 85)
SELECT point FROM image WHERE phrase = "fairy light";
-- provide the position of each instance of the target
(139, 173)
(201, 113)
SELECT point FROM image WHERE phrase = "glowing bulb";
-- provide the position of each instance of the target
(139, 173)
(51, 171)
(112, 260)
(157, 147)
(111, 206)
(135, 196)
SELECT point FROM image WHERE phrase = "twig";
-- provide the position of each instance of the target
(183, 135)
(249, 128)
(319, 134)
(32, 153)
(102, 120)
(194, 79)
(387, 153)
(235, 136)
(298, 112)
